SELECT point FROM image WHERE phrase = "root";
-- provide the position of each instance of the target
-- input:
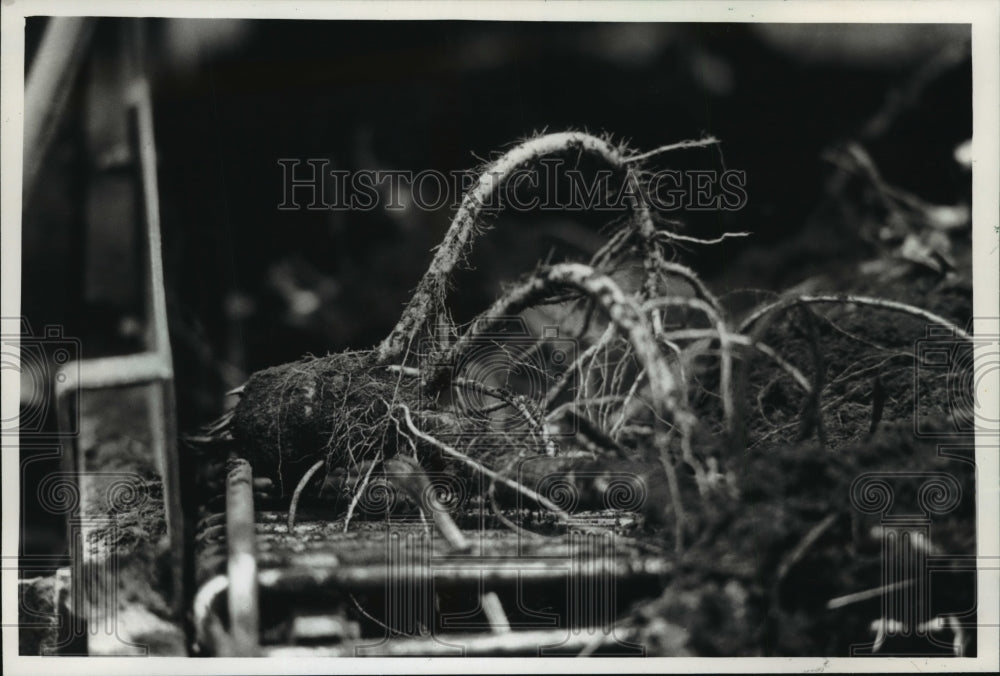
(747, 341)
(357, 426)
(358, 492)
(427, 302)
(577, 366)
(518, 403)
(881, 303)
(505, 397)
(680, 145)
(813, 419)
(294, 507)
(726, 355)
(621, 310)
(689, 276)
(407, 475)
(627, 318)
(700, 240)
(482, 469)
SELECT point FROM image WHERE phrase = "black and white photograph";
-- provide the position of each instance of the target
(335, 333)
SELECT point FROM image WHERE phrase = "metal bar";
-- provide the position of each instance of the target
(376, 575)
(159, 340)
(106, 372)
(207, 625)
(313, 628)
(515, 643)
(244, 610)
(163, 420)
(50, 81)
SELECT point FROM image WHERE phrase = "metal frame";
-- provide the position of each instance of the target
(234, 576)
(154, 366)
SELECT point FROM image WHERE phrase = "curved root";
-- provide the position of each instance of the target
(428, 299)
(881, 303)
(627, 318)
(303, 482)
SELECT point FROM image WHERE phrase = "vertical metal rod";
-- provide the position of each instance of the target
(241, 537)
(163, 412)
(60, 55)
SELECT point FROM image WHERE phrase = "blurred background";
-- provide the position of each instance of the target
(250, 286)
